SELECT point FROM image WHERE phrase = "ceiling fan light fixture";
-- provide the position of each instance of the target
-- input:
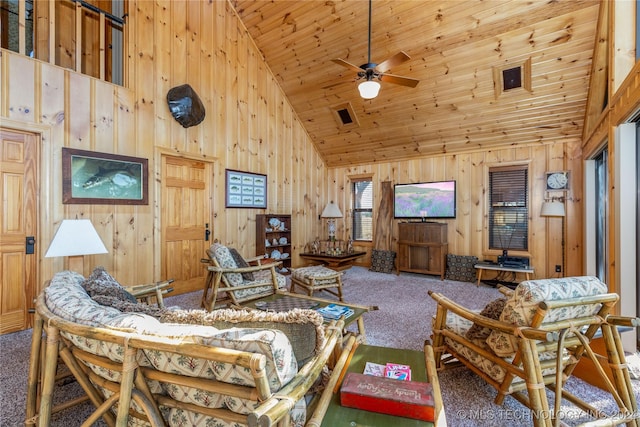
(369, 89)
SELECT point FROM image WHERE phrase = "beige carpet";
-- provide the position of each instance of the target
(403, 321)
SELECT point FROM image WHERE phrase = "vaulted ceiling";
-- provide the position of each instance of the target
(459, 50)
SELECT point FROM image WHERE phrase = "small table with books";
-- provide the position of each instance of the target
(423, 369)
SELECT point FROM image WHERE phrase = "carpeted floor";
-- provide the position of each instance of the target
(402, 321)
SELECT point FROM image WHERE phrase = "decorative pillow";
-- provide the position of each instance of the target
(492, 311)
(523, 304)
(460, 268)
(223, 256)
(382, 261)
(242, 264)
(304, 328)
(66, 298)
(128, 307)
(102, 283)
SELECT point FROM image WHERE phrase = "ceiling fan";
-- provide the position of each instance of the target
(371, 72)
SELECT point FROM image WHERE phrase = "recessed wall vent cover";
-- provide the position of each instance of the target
(513, 77)
(344, 115)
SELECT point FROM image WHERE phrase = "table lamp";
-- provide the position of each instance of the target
(331, 212)
(76, 238)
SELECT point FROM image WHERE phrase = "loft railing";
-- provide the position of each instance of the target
(70, 33)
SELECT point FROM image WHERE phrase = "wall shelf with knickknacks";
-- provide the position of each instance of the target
(273, 239)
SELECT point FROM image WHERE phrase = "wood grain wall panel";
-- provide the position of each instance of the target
(194, 63)
(251, 126)
(466, 232)
(163, 64)
(20, 89)
(78, 104)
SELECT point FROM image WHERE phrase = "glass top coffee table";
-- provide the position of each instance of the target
(289, 302)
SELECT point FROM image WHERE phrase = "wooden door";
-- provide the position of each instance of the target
(185, 218)
(18, 219)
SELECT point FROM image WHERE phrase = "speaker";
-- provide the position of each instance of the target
(185, 105)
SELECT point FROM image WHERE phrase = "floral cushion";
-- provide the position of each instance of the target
(460, 326)
(303, 328)
(523, 303)
(225, 260)
(66, 298)
(321, 274)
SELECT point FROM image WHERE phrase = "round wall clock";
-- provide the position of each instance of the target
(557, 181)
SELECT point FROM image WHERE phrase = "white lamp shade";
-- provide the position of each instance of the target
(552, 209)
(369, 89)
(331, 211)
(75, 237)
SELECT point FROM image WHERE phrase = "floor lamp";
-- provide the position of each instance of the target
(555, 208)
(76, 238)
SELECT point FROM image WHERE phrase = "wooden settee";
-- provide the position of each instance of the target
(137, 370)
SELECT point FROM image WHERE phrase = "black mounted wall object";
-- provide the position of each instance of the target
(185, 105)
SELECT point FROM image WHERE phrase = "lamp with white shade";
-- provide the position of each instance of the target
(552, 208)
(76, 238)
(369, 89)
(331, 212)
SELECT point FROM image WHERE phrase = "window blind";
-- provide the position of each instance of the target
(508, 208)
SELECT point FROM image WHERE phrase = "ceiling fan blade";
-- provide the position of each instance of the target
(399, 80)
(396, 59)
(348, 65)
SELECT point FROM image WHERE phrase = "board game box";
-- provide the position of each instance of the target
(410, 399)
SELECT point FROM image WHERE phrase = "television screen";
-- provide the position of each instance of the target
(425, 200)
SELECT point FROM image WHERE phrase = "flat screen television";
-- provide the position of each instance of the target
(425, 200)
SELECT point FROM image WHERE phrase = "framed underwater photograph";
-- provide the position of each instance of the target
(89, 177)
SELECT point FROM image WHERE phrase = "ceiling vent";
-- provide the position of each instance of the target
(512, 77)
(344, 115)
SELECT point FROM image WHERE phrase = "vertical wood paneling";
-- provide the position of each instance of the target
(250, 126)
(21, 89)
(162, 71)
(467, 231)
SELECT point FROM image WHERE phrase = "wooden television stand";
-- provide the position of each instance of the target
(422, 248)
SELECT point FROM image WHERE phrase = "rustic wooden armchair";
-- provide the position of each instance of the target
(543, 330)
(230, 274)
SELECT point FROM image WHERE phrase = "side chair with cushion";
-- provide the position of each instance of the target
(240, 283)
(534, 338)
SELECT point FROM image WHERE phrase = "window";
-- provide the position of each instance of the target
(509, 208)
(362, 191)
(602, 208)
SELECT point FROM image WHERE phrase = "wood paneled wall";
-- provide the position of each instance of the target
(468, 232)
(249, 126)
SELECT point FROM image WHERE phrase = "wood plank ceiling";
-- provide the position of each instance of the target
(456, 47)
